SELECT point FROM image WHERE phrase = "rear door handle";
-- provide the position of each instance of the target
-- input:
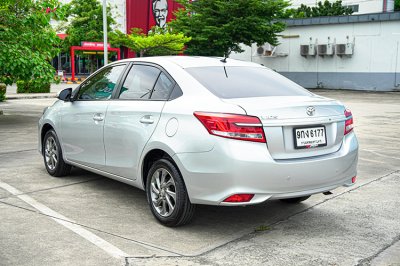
(98, 117)
(147, 119)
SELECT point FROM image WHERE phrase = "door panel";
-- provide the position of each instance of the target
(82, 132)
(128, 127)
(131, 121)
(82, 120)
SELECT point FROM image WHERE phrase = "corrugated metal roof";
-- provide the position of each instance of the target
(391, 16)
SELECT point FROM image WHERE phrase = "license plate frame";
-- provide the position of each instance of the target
(316, 142)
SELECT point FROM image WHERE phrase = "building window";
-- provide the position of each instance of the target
(353, 7)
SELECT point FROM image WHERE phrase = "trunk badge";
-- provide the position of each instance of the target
(310, 110)
(269, 117)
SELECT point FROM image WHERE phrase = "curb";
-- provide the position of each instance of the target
(78, 80)
(72, 82)
(20, 97)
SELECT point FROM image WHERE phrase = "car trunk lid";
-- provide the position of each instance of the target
(284, 117)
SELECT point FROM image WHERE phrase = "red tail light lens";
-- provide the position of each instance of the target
(239, 198)
(348, 124)
(232, 126)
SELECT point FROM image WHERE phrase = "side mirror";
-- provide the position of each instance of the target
(65, 94)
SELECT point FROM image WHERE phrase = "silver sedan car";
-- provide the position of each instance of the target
(198, 130)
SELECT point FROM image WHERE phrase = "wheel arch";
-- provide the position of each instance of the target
(148, 160)
(45, 128)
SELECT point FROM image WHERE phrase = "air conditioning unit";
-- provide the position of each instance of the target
(344, 49)
(325, 49)
(304, 50)
(260, 50)
(307, 49)
(265, 50)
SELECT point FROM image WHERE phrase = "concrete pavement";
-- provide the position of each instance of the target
(11, 93)
(354, 226)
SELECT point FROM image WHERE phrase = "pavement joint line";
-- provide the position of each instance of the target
(336, 195)
(141, 243)
(369, 160)
(380, 154)
(367, 261)
(59, 218)
(385, 137)
(24, 97)
(51, 188)
(10, 152)
(253, 233)
(69, 224)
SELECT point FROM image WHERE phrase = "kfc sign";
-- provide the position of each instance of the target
(94, 44)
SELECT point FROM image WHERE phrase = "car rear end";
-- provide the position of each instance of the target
(287, 143)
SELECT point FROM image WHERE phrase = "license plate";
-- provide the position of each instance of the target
(310, 137)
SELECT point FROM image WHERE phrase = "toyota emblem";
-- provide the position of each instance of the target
(310, 110)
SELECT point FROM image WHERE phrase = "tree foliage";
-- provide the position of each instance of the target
(218, 27)
(397, 5)
(27, 40)
(325, 8)
(86, 22)
(157, 42)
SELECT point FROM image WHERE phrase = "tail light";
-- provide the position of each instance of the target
(348, 124)
(232, 126)
(239, 198)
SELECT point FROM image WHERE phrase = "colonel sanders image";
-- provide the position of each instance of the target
(160, 12)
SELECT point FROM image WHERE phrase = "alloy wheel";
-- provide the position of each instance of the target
(163, 192)
(51, 153)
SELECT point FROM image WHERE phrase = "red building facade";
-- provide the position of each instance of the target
(145, 14)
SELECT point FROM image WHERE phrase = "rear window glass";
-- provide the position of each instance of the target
(245, 82)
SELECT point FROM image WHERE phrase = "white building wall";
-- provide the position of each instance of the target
(365, 6)
(375, 64)
(118, 11)
(374, 45)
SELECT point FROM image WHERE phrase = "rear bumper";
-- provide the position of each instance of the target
(245, 167)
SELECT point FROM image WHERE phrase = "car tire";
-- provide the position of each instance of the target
(167, 195)
(295, 200)
(53, 156)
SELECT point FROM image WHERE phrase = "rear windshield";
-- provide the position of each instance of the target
(245, 82)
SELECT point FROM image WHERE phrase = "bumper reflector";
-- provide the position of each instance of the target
(353, 180)
(239, 198)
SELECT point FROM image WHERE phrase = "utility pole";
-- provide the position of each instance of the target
(105, 32)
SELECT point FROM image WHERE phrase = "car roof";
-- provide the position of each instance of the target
(192, 61)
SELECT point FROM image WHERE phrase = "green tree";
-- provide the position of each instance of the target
(325, 8)
(397, 5)
(218, 27)
(86, 23)
(157, 42)
(27, 40)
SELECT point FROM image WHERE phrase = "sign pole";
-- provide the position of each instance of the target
(105, 32)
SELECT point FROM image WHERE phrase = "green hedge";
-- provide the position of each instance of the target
(32, 87)
(2, 92)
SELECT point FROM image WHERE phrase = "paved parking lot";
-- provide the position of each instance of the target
(86, 219)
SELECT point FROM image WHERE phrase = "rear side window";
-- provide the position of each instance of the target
(163, 88)
(139, 82)
(176, 92)
(245, 82)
